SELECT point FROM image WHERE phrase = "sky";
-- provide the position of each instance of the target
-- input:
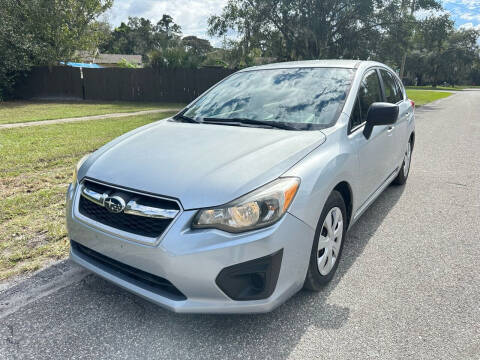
(466, 13)
(192, 15)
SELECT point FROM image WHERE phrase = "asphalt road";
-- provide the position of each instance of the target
(408, 285)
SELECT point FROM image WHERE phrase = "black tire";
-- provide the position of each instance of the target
(402, 176)
(315, 281)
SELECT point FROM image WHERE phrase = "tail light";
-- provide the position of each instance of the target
(413, 103)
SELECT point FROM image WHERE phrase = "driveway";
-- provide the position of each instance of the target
(408, 285)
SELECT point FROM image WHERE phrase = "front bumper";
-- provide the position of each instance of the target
(192, 260)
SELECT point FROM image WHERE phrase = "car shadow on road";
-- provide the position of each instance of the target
(266, 335)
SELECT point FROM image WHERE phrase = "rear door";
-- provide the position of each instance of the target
(374, 154)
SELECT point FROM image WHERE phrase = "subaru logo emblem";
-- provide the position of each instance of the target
(114, 204)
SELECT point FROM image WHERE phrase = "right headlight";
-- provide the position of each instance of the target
(258, 209)
(79, 164)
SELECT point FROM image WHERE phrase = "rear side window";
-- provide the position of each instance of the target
(368, 93)
(400, 89)
(393, 90)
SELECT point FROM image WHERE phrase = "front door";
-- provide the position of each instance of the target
(374, 154)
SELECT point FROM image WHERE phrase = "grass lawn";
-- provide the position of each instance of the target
(35, 170)
(456, 88)
(26, 111)
(429, 87)
(422, 97)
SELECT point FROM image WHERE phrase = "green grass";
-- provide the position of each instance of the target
(422, 97)
(26, 111)
(35, 169)
(429, 87)
(448, 88)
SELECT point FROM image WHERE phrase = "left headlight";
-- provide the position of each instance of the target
(260, 208)
(79, 164)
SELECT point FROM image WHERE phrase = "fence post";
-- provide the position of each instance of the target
(83, 83)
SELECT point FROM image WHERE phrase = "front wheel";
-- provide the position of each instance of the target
(405, 168)
(328, 243)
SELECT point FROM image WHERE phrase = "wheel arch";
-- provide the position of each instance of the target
(345, 190)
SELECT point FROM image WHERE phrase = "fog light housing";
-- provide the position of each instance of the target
(251, 280)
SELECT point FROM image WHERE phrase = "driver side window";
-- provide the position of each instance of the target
(368, 93)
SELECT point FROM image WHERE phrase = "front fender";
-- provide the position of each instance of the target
(320, 172)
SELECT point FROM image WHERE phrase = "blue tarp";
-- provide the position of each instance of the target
(82, 65)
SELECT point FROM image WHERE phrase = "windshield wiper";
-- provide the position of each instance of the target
(243, 121)
(182, 118)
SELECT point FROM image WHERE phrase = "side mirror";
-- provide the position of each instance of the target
(379, 114)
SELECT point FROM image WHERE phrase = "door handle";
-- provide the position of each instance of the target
(390, 128)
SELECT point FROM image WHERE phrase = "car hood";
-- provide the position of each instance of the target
(202, 165)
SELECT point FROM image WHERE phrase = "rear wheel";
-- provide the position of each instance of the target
(405, 168)
(328, 243)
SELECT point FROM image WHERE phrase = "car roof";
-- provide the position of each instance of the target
(347, 64)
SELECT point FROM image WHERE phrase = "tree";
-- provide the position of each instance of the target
(408, 10)
(431, 41)
(310, 29)
(173, 58)
(459, 55)
(196, 46)
(63, 26)
(141, 36)
(135, 37)
(190, 52)
(42, 32)
(166, 25)
(441, 53)
(298, 29)
(15, 49)
(160, 44)
(474, 74)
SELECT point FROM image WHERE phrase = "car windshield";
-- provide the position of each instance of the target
(306, 98)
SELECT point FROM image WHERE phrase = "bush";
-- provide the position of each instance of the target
(173, 58)
(125, 64)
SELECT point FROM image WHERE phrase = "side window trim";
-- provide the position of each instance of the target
(401, 88)
(351, 129)
(397, 83)
(355, 128)
(382, 85)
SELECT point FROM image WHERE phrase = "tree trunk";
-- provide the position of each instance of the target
(404, 57)
(402, 66)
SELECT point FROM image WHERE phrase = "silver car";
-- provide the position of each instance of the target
(245, 196)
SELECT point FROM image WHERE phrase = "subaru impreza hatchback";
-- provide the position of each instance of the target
(245, 196)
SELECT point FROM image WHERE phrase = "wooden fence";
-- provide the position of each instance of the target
(118, 84)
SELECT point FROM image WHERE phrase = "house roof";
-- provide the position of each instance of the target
(88, 57)
(116, 58)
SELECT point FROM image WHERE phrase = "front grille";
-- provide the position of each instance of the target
(147, 281)
(139, 225)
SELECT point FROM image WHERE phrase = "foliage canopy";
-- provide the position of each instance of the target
(42, 32)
